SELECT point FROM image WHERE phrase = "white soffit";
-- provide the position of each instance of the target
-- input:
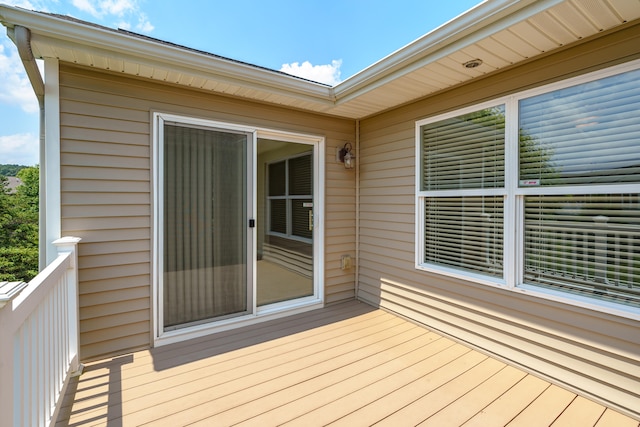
(509, 37)
(500, 32)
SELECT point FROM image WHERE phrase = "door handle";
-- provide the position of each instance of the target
(310, 219)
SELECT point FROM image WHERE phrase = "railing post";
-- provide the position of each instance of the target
(69, 245)
(600, 244)
(7, 399)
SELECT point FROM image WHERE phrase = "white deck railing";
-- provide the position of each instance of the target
(39, 342)
(594, 258)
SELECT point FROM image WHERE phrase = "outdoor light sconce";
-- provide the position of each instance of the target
(344, 155)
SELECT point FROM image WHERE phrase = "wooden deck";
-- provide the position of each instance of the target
(348, 364)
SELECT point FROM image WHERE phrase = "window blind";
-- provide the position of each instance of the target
(584, 134)
(301, 176)
(465, 151)
(278, 216)
(587, 244)
(584, 138)
(204, 224)
(300, 218)
(465, 233)
(277, 179)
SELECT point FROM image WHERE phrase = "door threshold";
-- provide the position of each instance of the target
(263, 315)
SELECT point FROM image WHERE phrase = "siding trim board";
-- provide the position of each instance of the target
(50, 160)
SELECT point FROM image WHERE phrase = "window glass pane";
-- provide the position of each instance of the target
(278, 216)
(464, 152)
(277, 179)
(585, 134)
(301, 211)
(300, 173)
(205, 224)
(588, 245)
(465, 233)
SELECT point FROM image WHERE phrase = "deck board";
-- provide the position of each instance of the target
(244, 389)
(505, 408)
(324, 389)
(545, 409)
(581, 411)
(394, 399)
(465, 406)
(348, 364)
(612, 418)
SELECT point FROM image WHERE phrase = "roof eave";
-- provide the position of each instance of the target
(485, 18)
(74, 34)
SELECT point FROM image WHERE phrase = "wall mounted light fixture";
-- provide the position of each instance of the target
(344, 155)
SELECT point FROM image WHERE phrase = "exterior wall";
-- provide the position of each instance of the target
(107, 194)
(591, 352)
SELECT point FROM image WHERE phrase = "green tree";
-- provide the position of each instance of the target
(10, 170)
(28, 192)
(19, 227)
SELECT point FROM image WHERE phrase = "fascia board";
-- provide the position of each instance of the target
(198, 67)
(72, 34)
(478, 23)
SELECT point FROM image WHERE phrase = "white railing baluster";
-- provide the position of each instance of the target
(39, 341)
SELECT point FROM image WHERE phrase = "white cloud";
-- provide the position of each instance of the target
(15, 89)
(31, 5)
(102, 8)
(144, 25)
(86, 6)
(118, 7)
(327, 73)
(20, 149)
(126, 12)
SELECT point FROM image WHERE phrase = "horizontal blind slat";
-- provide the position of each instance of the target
(466, 151)
(465, 233)
(587, 245)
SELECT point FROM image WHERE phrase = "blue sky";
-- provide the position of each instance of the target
(323, 40)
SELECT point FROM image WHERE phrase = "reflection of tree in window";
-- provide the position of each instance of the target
(585, 137)
(583, 134)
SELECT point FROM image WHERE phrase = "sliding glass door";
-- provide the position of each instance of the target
(285, 229)
(205, 252)
(235, 225)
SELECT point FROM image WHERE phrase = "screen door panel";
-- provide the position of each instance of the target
(205, 225)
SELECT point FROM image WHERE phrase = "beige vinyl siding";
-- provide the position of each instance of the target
(593, 353)
(107, 194)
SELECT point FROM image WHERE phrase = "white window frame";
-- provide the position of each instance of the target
(288, 198)
(421, 197)
(513, 232)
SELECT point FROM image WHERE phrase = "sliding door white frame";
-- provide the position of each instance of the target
(255, 314)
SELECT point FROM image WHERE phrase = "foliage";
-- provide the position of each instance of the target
(10, 170)
(28, 191)
(19, 227)
(18, 264)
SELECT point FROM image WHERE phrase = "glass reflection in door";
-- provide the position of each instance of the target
(285, 226)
